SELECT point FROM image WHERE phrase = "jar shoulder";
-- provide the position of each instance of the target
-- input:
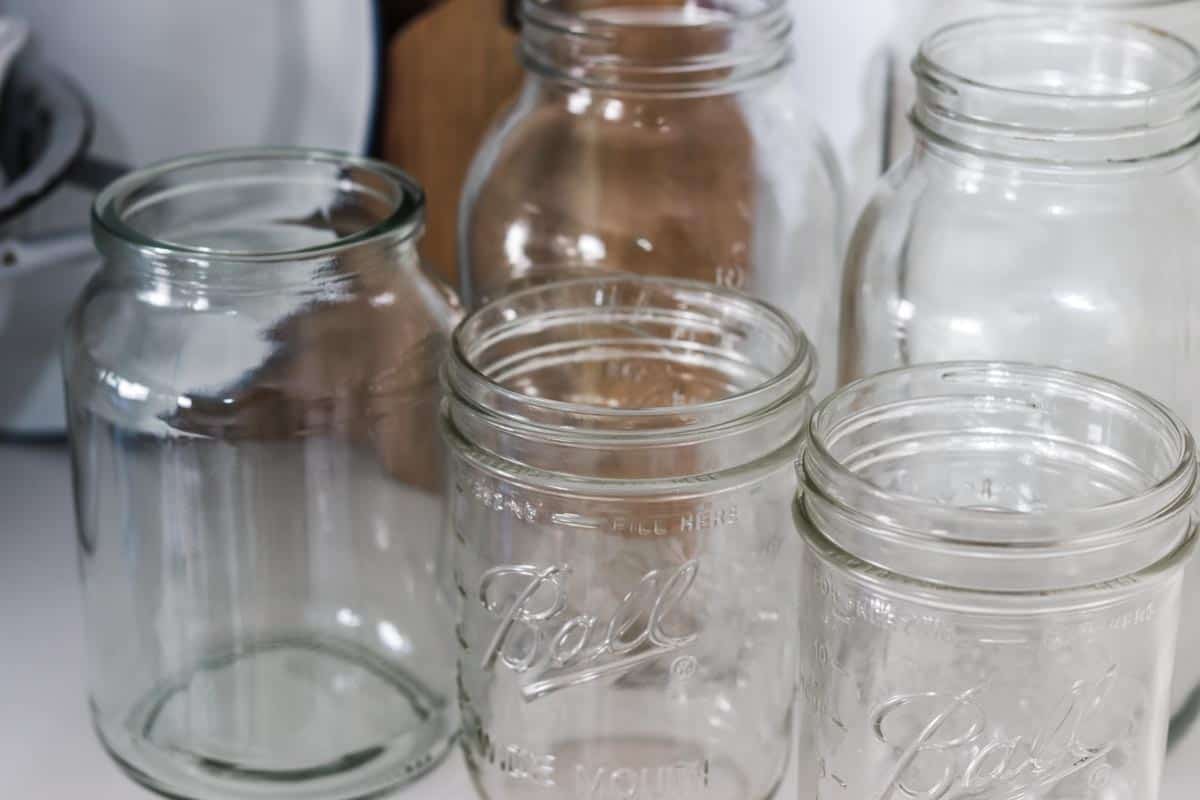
(135, 344)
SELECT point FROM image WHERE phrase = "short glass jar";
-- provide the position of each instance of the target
(658, 137)
(252, 395)
(993, 572)
(621, 452)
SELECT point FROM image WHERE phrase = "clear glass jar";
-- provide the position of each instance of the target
(657, 138)
(252, 396)
(993, 571)
(1047, 214)
(621, 453)
(1180, 17)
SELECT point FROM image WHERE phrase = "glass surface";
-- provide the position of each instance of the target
(1046, 214)
(622, 451)
(1180, 17)
(657, 138)
(252, 394)
(992, 585)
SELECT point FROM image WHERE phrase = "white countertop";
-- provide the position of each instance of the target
(49, 749)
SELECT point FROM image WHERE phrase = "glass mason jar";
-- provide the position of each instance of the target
(1047, 214)
(657, 137)
(252, 392)
(621, 452)
(993, 571)
(1180, 17)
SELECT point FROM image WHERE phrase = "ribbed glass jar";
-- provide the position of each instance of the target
(252, 387)
(622, 465)
(658, 138)
(993, 572)
(1179, 17)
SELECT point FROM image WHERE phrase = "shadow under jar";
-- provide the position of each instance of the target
(252, 389)
(621, 461)
(657, 137)
(993, 572)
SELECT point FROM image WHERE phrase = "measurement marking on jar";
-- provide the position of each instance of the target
(676, 780)
(847, 609)
(731, 276)
(708, 518)
(683, 668)
(641, 527)
(495, 499)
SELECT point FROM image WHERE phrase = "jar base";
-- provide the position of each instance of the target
(295, 717)
(633, 767)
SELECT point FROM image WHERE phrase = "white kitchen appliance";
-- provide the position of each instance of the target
(164, 79)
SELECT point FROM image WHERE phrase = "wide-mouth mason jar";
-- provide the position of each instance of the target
(621, 470)
(993, 570)
(252, 393)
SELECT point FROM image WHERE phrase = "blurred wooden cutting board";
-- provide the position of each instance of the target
(450, 70)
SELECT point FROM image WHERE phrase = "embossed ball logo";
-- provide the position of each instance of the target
(948, 747)
(556, 647)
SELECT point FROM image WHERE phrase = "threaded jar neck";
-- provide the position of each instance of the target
(675, 47)
(260, 219)
(1058, 89)
(628, 379)
(999, 477)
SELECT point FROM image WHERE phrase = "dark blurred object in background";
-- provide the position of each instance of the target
(451, 66)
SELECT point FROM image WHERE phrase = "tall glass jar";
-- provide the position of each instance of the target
(661, 138)
(993, 571)
(252, 394)
(621, 451)
(1046, 214)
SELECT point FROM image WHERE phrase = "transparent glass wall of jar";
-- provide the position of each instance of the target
(252, 383)
(992, 579)
(1047, 214)
(622, 452)
(659, 138)
(893, 132)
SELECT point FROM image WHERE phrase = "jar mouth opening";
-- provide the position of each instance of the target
(649, 46)
(259, 205)
(627, 356)
(899, 402)
(998, 476)
(595, 17)
(1061, 59)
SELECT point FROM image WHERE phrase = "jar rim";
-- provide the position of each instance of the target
(540, 12)
(927, 65)
(996, 544)
(589, 49)
(1184, 467)
(799, 373)
(405, 221)
(1091, 91)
